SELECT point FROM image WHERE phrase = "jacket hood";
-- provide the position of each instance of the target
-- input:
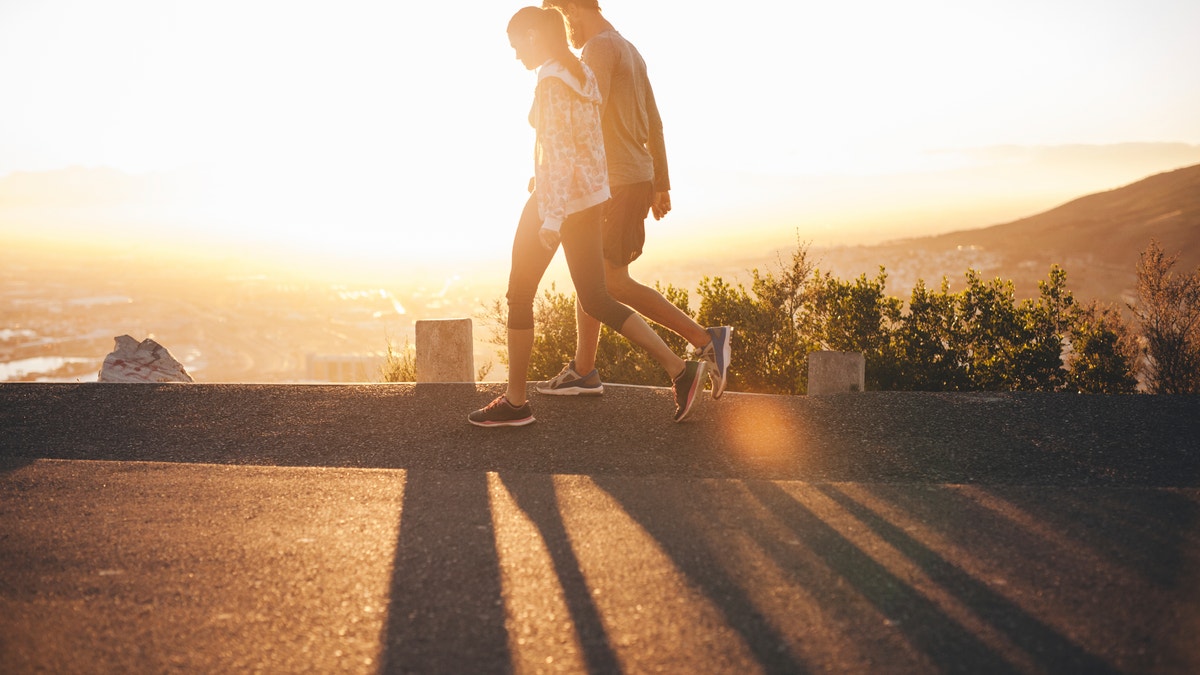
(589, 90)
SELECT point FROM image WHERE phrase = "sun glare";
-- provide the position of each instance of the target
(398, 132)
(285, 128)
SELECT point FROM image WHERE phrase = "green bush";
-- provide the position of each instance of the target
(978, 339)
(1104, 353)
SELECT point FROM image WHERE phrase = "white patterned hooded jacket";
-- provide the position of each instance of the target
(570, 169)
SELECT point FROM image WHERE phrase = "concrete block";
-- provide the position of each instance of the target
(445, 351)
(836, 372)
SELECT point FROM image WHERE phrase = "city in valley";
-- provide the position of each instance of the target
(224, 321)
(228, 320)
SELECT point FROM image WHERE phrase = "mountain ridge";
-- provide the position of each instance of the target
(1096, 238)
(1165, 206)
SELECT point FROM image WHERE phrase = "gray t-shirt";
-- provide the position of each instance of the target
(633, 131)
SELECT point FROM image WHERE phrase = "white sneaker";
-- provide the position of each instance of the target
(718, 353)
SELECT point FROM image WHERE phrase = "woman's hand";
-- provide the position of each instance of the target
(550, 238)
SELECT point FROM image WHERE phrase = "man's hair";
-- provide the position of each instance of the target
(561, 4)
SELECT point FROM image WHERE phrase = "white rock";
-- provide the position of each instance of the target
(146, 361)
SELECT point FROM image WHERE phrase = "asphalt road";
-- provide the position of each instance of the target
(237, 528)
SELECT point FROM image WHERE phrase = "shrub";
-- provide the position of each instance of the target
(980, 338)
(1168, 309)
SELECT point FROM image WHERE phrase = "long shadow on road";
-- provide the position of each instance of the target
(446, 612)
(679, 522)
(447, 604)
(746, 544)
(941, 636)
(536, 497)
(1121, 563)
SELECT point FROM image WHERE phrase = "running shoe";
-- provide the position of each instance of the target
(687, 385)
(501, 413)
(718, 353)
(571, 383)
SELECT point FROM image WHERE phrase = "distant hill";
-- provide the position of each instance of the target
(1096, 238)
(1110, 226)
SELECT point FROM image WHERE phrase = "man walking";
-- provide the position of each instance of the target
(640, 183)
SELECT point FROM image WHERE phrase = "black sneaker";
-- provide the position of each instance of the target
(571, 383)
(501, 413)
(686, 386)
(717, 353)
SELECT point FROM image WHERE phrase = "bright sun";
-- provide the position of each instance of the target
(358, 143)
(386, 130)
(286, 125)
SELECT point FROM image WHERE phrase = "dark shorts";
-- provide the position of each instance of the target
(625, 222)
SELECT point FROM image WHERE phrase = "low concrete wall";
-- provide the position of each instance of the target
(445, 351)
(836, 372)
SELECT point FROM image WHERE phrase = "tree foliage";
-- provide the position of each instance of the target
(1008, 346)
(931, 350)
(1104, 353)
(772, 323)
(977, 339)
(857, 316)
(1168, 309)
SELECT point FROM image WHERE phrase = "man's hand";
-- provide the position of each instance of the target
(550, 238)
(661, 205)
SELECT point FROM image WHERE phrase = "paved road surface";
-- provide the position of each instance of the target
(223, 528)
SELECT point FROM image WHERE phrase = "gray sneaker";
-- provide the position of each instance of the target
(501, 413)
(718, 353)
(570, 383)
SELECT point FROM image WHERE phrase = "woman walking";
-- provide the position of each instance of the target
(570, 189)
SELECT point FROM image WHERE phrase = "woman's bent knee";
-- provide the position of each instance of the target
(520, 311)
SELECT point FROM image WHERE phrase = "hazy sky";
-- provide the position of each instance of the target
(388, 124)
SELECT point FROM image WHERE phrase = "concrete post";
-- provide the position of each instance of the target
(445, 351)
(836, 372)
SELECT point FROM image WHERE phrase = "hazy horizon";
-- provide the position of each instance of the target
(251, 315)
(109, 209)
(376, 133)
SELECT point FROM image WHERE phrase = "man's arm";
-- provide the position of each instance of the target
(657, 145)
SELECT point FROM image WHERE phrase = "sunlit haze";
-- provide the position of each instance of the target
(382, 133)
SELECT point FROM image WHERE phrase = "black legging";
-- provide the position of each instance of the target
(582, 245)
